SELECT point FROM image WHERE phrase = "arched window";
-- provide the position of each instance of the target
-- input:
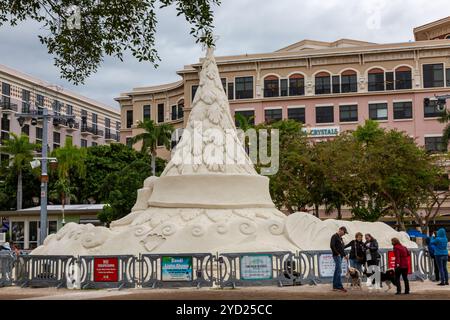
(376, 80)
(296, 85)
(349, 81)
(403, 78)
(271, 86)
(323, 83)
(447, 37)
(180, 111)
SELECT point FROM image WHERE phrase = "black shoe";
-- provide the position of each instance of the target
(398, 293)
(407, 292)
(441, 284)
(446, 284)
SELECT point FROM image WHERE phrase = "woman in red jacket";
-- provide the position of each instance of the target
(401, 265)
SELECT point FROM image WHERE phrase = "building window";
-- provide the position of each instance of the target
(230, 91)
(94, 144)
(69, 110)
(323, 83)
(348, 113)
(336, 84)
(273, 115)
(25, 101)
(244, 88)
(56, 107)
(39, 133)
(378, 111)
(6, 94)
(5, 123)
(403, 78)
(193, 91)
(180, 111)
(349, 81)
(129, 118)
(248, 114)
(224, 84)
(40, 100)
(117, 131)
(174, 112)
(283, 87)
(4, 136)
(146, 112)
(376, 80)
(26, 129)
(84, 143)
(160, 112)
(107, 123)
(297, 114)
(296, 85)
(447, 74)
(432, 110)
(403, 110)
(271, 87)
(325, 114)
(390, 82)
(433, 75)
(434, 145)
(56, 140)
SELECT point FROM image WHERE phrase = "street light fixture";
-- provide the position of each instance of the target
(45, 117)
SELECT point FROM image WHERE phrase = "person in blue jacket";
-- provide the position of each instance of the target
(441, 255)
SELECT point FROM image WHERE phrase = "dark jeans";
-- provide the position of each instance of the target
(337, 276)
(442, 264)
(436, 268)
(401, 272)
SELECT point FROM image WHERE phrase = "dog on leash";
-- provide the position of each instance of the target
(354, 278)
(387, 278)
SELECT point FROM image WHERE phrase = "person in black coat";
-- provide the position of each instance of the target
(357, 252)
(337, 248)
(371, 250)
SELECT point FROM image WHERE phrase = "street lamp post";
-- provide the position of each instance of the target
(45, 117)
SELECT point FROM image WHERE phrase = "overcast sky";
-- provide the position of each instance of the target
(243, 26)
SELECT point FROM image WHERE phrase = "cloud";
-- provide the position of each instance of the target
(243, 26)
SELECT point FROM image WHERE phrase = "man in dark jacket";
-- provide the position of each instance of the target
(337, 248)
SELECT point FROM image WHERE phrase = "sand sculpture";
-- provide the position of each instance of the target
(208, 199)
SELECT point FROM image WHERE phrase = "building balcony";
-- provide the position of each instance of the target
(97, 133)
(7, 106)
(86, 130)
(111, 137)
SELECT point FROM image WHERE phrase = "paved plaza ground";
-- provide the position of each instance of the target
(420, 291)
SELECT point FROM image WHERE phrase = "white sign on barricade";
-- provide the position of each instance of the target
(326, 266)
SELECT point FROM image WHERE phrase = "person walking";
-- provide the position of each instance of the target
(338, 250)
(441, 255)
(357, 252)
(431, 250)
(402, 255)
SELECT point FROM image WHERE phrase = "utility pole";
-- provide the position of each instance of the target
(45, 117)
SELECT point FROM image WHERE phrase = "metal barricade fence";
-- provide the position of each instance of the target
(42, 271)
(176, 270)
(6, 269)
(188, 270)
(256, 269)
(100, 272)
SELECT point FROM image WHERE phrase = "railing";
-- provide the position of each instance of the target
(187, 270)
(110, 136)
(7, 105)
(93, 130)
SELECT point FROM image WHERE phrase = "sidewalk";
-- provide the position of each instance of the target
(420, 291)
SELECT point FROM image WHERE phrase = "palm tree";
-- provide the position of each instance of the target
(21, 151)
(71, 160)
(243, 122)
(153, 136)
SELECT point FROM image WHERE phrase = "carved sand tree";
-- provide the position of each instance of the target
(208, 199)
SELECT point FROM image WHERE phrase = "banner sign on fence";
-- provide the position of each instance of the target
(326, 266)
(106, 269)
(256, 267)
(391, 262)
(176, 269)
